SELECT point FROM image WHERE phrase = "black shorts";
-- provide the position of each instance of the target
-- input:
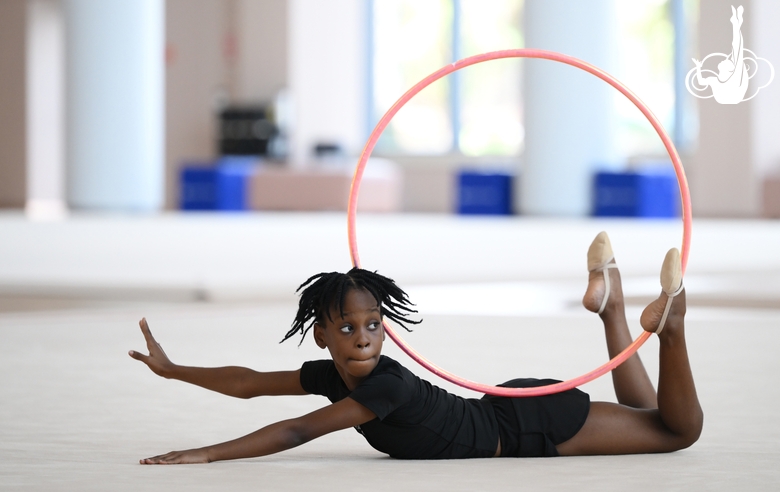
(533, 426)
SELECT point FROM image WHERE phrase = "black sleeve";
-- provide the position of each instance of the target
(382, 393)
(320, 377)
(314, 375)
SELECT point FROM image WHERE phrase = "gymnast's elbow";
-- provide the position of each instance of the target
(296, 433)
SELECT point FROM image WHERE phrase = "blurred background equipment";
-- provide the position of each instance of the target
(484, 193)
(650, 191)
(223, 185)
(246, 130)
(185, 88)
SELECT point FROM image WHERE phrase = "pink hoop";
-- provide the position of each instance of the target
(472, 60)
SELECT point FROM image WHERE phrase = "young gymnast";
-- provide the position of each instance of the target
(407, 417)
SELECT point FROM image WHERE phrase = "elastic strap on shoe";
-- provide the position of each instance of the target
(667, 308)
(605, 269)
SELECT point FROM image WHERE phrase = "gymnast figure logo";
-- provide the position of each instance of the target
(730, 84)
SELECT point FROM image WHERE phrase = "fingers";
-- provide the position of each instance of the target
(146, 331)
(163, 459)
(177, 458)
(139, 356)
(151, 344)
(156, 359)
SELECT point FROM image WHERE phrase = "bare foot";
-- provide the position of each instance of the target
(653, 313)
(594, 295)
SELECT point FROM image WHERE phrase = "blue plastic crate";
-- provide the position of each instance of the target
(643, 193)
(232, 183)
(223, 185)
(198, 188)
(486, 193)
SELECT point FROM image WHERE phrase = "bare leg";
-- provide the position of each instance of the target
(632, 384)
(676, 424)
(678, 402)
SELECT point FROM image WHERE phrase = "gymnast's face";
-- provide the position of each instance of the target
(354, 340)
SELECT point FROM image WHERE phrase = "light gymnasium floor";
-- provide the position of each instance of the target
(500, 298)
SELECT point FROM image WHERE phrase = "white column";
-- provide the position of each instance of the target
(327, 75)
(569, 118)
(114, 94)
(45, 117)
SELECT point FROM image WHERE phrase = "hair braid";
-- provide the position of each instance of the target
(324, 292)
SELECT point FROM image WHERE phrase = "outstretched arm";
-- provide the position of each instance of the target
(239, 382)
(275, 437)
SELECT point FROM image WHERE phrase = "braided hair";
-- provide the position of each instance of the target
(326, 291)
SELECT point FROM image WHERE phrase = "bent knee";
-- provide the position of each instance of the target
(691, 434)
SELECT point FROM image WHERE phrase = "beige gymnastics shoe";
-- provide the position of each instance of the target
(671, 283)
(599, 257)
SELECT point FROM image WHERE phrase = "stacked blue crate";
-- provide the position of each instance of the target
(198, 186)
(648, 192)
(233, 180)
(223, 186)
(484, 193)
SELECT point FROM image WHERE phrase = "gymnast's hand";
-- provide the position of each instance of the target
(157, 361)
(179, 457)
